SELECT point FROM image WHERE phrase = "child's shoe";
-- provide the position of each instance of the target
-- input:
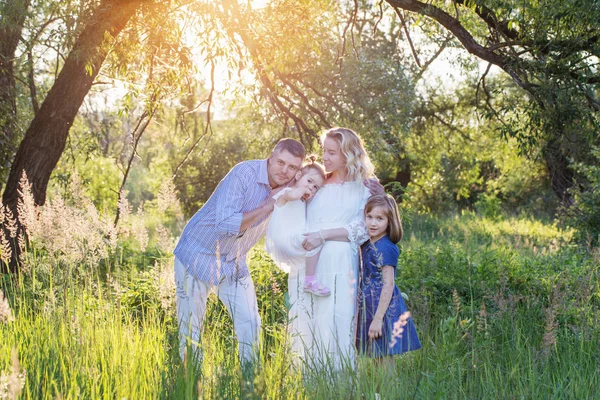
(316, 289)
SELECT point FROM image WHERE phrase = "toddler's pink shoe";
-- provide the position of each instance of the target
(316, 289)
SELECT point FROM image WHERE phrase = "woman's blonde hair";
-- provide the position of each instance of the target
(358, 163)
(387, 202)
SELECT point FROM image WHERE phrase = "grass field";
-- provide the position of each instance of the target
(505, 308)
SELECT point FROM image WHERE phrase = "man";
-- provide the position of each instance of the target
(211, 253)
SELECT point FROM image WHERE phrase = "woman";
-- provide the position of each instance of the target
(323, 328)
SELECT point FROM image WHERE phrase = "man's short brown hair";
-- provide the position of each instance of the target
(293, 146)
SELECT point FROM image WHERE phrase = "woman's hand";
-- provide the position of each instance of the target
(374, 186)
(375, 330)
(312, 240)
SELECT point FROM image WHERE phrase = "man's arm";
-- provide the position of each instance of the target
(231, 195)
(251, 217)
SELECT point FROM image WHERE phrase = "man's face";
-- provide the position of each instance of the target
(282, 167)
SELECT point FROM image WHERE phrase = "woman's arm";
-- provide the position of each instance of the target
(375, 330)
(312, 240)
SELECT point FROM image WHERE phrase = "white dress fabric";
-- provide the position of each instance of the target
(285, 234)
(322, 329)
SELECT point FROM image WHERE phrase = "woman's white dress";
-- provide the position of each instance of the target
(322, 329)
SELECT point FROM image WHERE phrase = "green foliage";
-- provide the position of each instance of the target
(503, 307)
(457, 158)
(488, 205)
(141, 297)
(584, 214)
(232, 142)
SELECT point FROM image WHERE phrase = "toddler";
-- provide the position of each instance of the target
(287, 226)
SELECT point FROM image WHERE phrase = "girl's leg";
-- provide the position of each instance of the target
(311, 284)
(387, 366)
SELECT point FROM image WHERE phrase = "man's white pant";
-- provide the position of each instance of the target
(240, 299)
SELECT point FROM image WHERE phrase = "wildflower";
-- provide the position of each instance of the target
(5, 311)
(166, 197)
(139, 229)
(550, 329)
(10, 222)
(166, 285)
(114, 285)
(456, 301)
(12, 384)
(76, 191)
(275, 285)
(110, 233)
(482, 319)
(123, 205)
(26, 208)
(399, 327)
(163, 239)
(5, 251)
(549, 339)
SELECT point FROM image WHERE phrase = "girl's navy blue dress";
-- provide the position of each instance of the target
(374, 257)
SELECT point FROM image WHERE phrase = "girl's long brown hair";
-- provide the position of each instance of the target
(387, 202)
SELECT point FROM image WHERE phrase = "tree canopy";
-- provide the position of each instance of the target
(307, 66)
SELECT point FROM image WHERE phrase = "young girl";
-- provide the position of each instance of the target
(381, 308)
(287, 226)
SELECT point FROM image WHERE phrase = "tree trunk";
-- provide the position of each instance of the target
(561, 174)
(12, 18)
(45, 139)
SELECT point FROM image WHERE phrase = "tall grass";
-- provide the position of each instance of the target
(505, 308)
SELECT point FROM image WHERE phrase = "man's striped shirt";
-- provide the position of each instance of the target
(211, 246)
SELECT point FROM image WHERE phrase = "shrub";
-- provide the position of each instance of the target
(584, 214)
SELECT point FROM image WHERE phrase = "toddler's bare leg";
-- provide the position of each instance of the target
(311, 265)
(310, 280)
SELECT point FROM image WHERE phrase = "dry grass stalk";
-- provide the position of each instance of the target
(10, 222)
(6, 315)
(456, 302)
(138, 229)
(164, 240)
(551, 326)
(482, 325)
(123, 206)
(163, 275)
(26, 208)
(72, 231)
(166, 199)
(274, 285)
(12, 383)
(5, 251)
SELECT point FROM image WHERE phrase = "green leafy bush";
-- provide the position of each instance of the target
(584, 214)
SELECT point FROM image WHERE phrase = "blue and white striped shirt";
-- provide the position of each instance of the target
(211, 246)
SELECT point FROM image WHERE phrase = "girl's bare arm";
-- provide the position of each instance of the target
(387, 291)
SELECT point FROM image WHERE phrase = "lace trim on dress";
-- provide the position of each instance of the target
(357, 233)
